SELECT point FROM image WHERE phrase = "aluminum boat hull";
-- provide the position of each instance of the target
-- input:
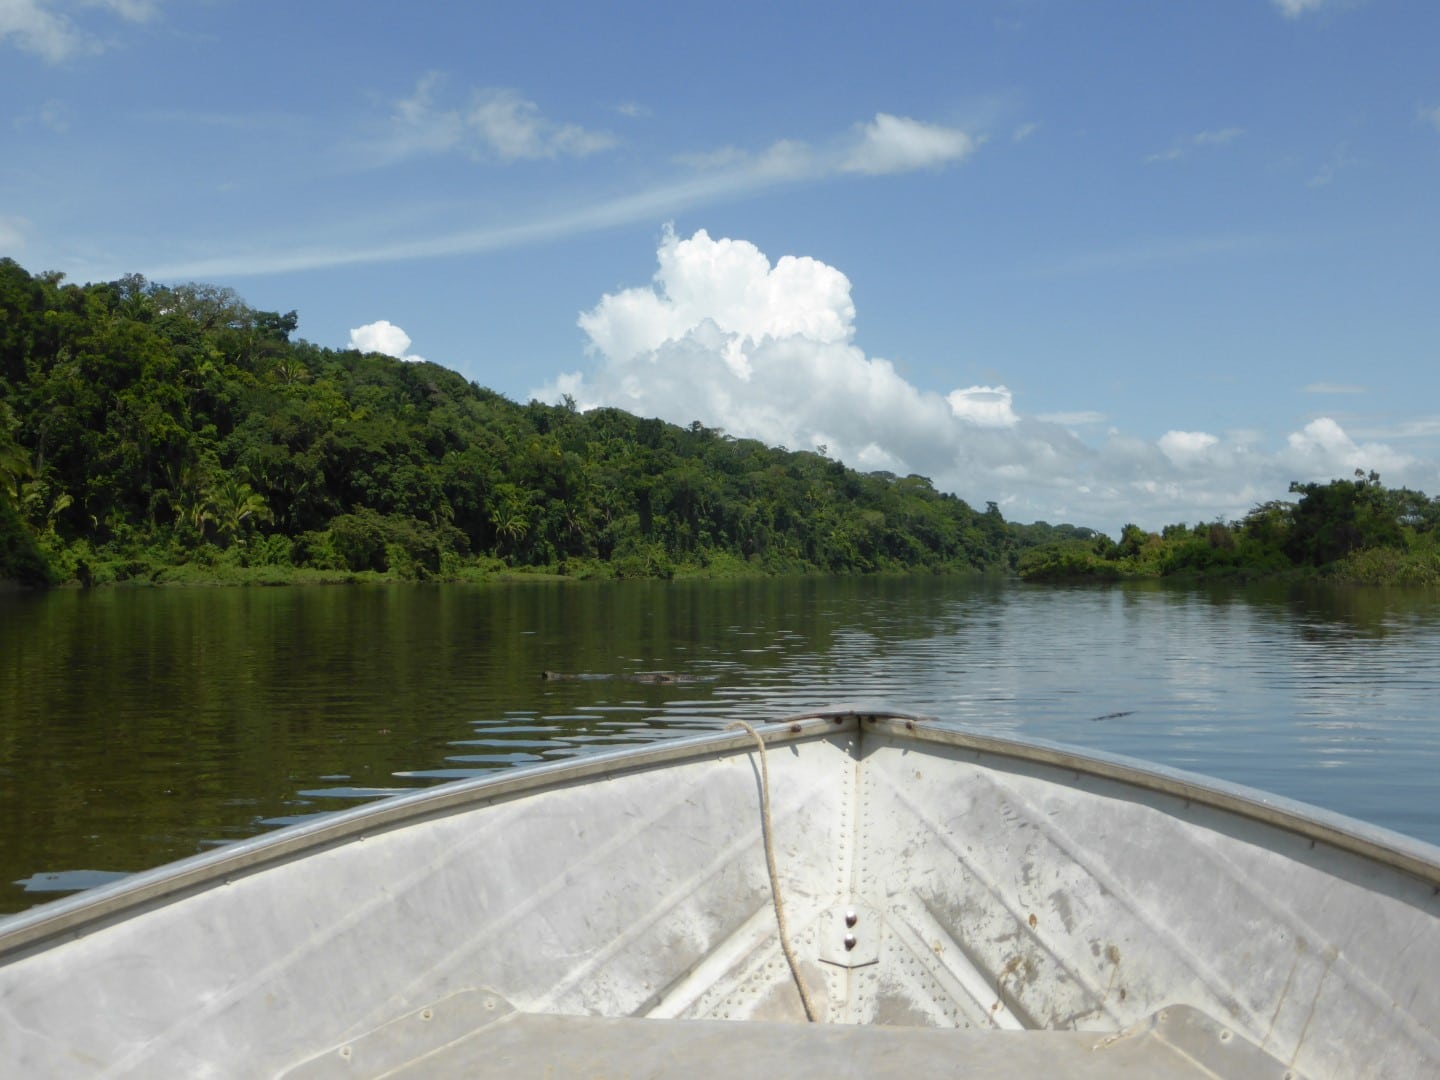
(954, 901)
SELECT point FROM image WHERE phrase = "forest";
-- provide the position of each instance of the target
(157, 434)
(1354, 531)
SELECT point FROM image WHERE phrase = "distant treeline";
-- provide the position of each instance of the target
(1350, 531)
(172, 433)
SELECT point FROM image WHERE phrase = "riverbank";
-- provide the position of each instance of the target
(130, 573)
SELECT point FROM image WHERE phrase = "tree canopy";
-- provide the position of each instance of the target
(147, 427)
(154, 432)
(1355, 530)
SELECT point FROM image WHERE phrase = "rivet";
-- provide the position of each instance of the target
(851, 918)
(849, 942)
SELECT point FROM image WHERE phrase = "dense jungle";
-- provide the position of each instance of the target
(170, 434)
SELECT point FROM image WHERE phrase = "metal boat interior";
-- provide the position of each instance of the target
(954, 903)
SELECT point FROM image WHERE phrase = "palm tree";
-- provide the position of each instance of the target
(237, 507)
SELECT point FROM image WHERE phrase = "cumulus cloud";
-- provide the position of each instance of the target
(493, 123)
(983, 406)
(890, 144)
(766, 350)
(1323, 446)
(383, 337)
(1186, 448)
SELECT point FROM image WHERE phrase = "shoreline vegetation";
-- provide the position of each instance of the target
(172, 435)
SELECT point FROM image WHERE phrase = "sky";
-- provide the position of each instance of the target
(1097, 262)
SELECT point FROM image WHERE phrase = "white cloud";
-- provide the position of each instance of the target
(1182, 148)
(514, 129)
(729, 173)
(1073, 419)
(765, 350)
(1332, 388)
(890, 144)
(1024, 131)
(496, 123)
(1186, 448)
(40, 27)
(383, 337)
(134, 10)
(983, 406)
(1293, 9)
(1323, 448)
(34, 26)
(1430, 114)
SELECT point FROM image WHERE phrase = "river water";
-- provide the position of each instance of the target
(139, 726)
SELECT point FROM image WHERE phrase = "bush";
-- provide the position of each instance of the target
(20, 557)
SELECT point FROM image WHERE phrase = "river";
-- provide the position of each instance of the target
(142, 725)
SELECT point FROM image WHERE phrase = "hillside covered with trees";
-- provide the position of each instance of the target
(172, 433)
(150, 432)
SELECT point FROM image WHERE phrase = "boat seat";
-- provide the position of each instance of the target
(444, 1041)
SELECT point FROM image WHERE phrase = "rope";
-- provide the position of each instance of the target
(766, 831)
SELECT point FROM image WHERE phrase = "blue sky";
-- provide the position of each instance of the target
(1098, 262)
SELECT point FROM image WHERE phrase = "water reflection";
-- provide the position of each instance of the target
(138, 726)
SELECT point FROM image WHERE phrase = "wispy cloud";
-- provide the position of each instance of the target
(716, 176)
(496, 124)
(1293, 9)
(1430, 114)
(43, 28)
(53, 115)
(650, 204)
(891, 144)
(34, 26)
(1184, 147)
(1024, 131)
(133, 10)
(1339, 161)
(1333, 388)
(1427, 427)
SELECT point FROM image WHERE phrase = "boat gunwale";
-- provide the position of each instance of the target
(194, 873)
(1376, 843)
(25, 931)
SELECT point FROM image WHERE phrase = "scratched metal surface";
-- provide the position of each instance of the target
(929, 881)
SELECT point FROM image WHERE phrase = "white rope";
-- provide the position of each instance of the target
(766, 831)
